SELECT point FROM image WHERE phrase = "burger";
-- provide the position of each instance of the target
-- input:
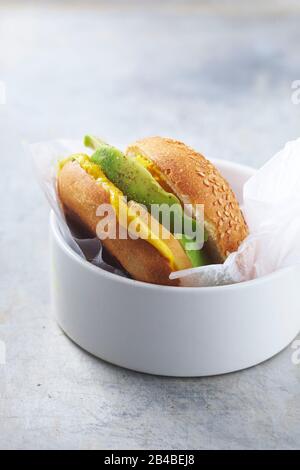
(145, 206)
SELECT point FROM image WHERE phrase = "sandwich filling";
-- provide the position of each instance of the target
(142, 182)
(126, 212)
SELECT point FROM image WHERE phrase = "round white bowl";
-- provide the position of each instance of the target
(174, 331)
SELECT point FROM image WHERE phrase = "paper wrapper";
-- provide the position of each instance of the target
(45, 156)
(271, 207)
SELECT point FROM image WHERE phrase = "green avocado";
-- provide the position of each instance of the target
(137, 183)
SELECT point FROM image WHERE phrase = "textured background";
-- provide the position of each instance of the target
(217, 75)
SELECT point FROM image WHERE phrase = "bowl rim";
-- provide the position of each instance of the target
(140, 284)
(175, 289)
(250, 170)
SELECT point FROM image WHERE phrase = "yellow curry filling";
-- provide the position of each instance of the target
(154, 170)
(122, 210)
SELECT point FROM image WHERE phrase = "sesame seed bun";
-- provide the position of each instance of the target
(195, 180)
(81, 195)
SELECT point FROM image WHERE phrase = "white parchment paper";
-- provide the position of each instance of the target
(45, 157)
(271, 208)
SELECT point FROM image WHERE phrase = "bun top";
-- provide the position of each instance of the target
(195, 180)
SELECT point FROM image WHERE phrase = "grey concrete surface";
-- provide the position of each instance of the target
(217, 75)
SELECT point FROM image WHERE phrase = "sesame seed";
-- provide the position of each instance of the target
(219, 213)
(206, 182)
(226, 213)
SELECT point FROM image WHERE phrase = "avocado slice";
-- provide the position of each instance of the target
(137, 183)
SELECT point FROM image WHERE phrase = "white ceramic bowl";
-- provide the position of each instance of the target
(175, 331)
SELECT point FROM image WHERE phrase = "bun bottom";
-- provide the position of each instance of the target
(80, 196)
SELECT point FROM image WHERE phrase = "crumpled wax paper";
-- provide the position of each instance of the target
(45, 157)
(271, 206)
